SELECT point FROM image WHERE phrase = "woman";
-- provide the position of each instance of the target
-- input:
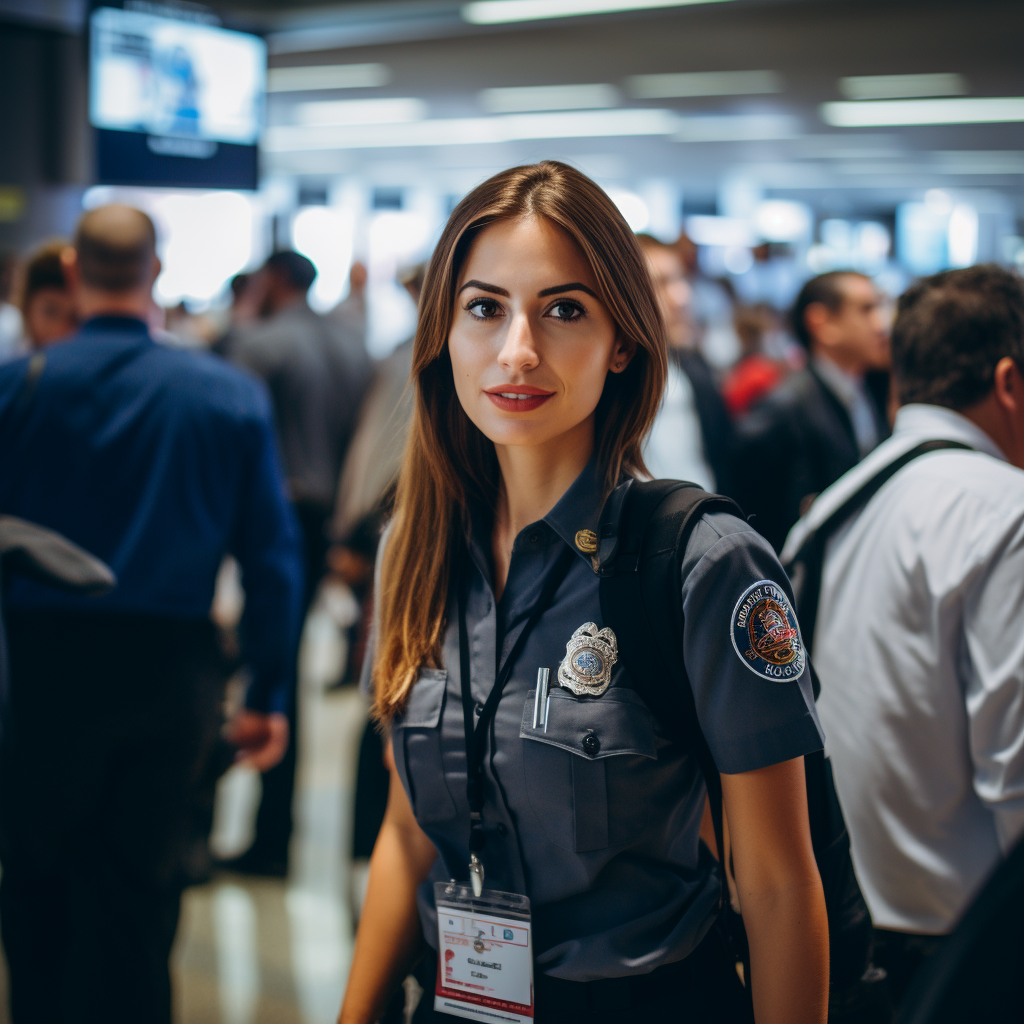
(47, 306)
(539, 365)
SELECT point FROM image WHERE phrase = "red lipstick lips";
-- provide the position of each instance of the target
(518, 397)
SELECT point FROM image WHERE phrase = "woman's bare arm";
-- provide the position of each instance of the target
(389, 929)
(779, 892)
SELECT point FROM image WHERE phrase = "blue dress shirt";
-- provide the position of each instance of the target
(159, 461)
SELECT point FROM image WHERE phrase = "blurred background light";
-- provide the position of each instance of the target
(327, 76)
(703, 83)
(496, 12)
(633, 209)
(732, 232)
(548, 97)
(358, 112)
(783, 220)
(324, 235)
(891, 87)
(889, 113)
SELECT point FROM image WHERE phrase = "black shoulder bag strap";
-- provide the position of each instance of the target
(805, 567)
(629, 589)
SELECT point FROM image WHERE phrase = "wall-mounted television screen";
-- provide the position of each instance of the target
(173, 102)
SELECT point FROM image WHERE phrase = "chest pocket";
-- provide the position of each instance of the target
(584, 775)
(416, 735)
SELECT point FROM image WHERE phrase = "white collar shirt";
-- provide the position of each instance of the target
(919, 646)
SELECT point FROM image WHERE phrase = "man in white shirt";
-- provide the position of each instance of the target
(692, 437)
(919, 637)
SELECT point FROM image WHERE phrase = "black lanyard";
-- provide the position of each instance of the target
(476, 738)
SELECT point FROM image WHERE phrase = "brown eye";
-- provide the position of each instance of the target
(484, 309)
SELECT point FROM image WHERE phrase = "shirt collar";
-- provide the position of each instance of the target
(112, 324)
(576, 516)
(845, 386)
(938, 421)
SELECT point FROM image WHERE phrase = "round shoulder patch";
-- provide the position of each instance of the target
(766, 635)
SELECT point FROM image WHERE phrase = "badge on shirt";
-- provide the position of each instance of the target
(589, 657)
(766, 634)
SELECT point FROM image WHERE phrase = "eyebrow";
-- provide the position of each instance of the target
(572, 286)
(484, 287)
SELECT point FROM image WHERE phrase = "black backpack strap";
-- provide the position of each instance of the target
(641, 598)
(805, 567)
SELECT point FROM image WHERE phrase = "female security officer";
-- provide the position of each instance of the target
(539, 365)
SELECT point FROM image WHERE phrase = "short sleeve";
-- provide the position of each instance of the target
(743, 651)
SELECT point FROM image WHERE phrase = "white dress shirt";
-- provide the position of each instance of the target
(920, 648)
(675, 445)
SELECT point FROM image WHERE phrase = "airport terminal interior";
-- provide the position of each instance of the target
(767, 141)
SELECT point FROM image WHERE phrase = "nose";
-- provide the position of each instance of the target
(519, 351)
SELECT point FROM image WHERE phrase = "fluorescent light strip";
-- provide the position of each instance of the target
(325, 113)
(327, 76)
(892, 87)
(500, 12)
(737, 128)
(548, 97)
(704, 83)
(471, 131)
(890, 113)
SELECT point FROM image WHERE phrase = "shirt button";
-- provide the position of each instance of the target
(501, 829)
(533, 538)
(591, 744)
(478, 708)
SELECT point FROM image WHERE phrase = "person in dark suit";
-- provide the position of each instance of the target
(822, 420)
(159, 461)
(692, 437)
(317, 371)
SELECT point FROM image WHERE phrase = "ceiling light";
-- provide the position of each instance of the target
(893, 87)
(498, 12)
(327, 76)
(873, 113)
(704, 83)
(736, 128)
(465, 131)
(548, 97)
(352, 112)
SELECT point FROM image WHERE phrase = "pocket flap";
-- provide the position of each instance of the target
(617, 722)
(426, 699)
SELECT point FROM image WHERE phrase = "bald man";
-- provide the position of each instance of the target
(159, 461)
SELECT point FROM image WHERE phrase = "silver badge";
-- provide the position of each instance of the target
(589, 657)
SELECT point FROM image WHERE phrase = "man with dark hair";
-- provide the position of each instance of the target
(822, 421)
(159, 461)
(317, 371)
(920, 626)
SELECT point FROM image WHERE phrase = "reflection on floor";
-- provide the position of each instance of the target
(277, 952)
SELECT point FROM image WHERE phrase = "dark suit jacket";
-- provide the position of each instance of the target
(715, 424)
(791, 446)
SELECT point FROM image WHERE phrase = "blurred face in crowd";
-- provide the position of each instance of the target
(856, 335)
(673, 293)
(531, 344)
(49, 316)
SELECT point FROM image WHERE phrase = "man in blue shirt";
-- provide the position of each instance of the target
(159, 461)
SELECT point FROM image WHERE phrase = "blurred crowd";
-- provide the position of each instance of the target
(804, 400)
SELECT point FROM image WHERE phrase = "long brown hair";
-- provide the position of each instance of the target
(448, 463)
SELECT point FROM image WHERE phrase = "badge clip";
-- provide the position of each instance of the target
(476, 874)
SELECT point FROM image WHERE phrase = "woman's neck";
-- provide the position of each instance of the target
(533, 479)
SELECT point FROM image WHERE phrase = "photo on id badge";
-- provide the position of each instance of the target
(485, 955)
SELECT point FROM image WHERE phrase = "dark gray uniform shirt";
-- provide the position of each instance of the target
(605, 842)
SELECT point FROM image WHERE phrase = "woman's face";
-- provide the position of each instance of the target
(50, 317)
(531, 343)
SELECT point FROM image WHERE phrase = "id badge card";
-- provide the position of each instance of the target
(485, 954)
